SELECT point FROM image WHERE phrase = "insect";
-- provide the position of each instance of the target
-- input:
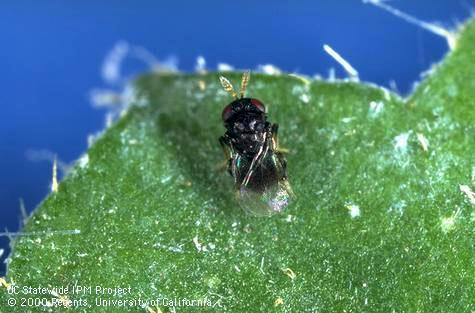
(252, 153)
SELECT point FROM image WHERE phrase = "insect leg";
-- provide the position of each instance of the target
(275, 140)
(283, 162)
(286, 185)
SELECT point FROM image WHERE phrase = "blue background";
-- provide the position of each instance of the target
(51, 53)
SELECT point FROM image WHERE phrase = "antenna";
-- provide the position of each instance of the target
(244, 81)
(228, 87)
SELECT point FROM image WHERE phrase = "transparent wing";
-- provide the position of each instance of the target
(268, 190)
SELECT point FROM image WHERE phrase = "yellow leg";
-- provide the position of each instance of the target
(275, 140)
(282, 150)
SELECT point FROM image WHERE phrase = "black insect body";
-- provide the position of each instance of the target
(252, 154)
(246, 125)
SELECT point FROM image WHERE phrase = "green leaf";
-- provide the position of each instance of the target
(383, 218)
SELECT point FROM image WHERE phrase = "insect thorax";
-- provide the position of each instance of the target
(248, 132)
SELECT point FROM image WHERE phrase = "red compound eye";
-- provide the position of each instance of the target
(227, 112)
(259, 105)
